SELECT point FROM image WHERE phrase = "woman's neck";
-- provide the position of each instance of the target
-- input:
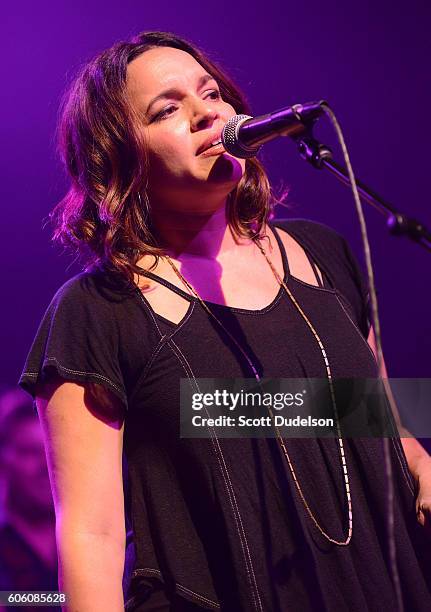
(196, 234)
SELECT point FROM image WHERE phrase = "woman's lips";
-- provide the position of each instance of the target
(214, 150)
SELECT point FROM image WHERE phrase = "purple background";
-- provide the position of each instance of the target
(370, 60)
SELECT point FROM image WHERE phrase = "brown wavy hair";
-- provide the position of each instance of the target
(101, 217)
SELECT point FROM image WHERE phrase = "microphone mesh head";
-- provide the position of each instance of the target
(231, 141)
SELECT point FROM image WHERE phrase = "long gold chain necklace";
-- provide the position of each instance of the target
(331, 388)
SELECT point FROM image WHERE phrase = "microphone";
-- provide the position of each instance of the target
(242, 136)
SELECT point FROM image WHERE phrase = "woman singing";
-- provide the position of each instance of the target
(187, 277)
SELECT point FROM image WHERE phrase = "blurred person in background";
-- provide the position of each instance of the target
(28, 559)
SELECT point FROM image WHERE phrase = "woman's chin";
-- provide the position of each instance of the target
(226, 168)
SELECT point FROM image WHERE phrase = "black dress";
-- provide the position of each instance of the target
(219, 525)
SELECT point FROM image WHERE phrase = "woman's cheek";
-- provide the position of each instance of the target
(166, 163)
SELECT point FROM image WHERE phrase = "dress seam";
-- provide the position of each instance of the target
(149, 570)
(404, 468)
(355, 326)
(397, 450)
(185, 319)
(148, 309)
(257, 604)
(149, 364)
(163, 340)
(78, 372)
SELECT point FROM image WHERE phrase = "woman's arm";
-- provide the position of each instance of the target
(83, 444)
(418, 459)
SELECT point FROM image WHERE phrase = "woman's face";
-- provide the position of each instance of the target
(182, 113)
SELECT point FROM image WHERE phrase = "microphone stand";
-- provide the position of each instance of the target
(398, 224)
(320, 156)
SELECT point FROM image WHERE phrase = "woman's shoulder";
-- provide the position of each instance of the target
(311, 231)
(92, 286)
(83, 332)
(330, 248)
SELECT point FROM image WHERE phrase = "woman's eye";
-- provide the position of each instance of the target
(164, 113)
(214, 94)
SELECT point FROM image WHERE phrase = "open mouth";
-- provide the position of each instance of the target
(214, 149)
(217, 142)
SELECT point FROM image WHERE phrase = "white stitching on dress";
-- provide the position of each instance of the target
(184, 321)
(355, 326)
(163, 341)
(156, 351)
(149, 570)
(403, 468)
(257, 604)
(255, 593)
(201, 597)
(178, 326)
(150, 311)
(78, 372)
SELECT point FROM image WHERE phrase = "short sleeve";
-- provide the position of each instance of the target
(77, 339)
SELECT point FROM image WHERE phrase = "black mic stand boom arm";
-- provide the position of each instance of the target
(320, 156)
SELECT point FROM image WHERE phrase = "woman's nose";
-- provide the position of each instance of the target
(204, 115)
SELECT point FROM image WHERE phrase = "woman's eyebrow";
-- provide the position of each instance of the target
(172, 92)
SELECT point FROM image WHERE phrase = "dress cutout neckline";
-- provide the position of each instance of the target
(192, 298)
